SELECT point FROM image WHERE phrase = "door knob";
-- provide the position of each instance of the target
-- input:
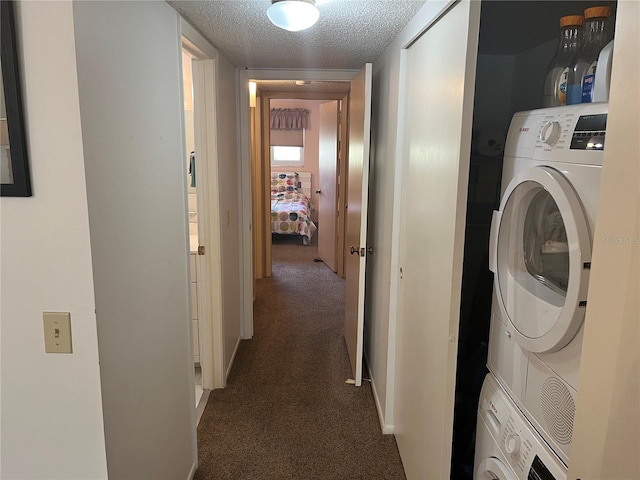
(318, 192)
(354, 250)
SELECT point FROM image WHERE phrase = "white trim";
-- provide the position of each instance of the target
(244, 139)
(197, 44)
(386, 429)
(233, 357)
(210, 297)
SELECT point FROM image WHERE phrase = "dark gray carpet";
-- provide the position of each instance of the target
(286, 412)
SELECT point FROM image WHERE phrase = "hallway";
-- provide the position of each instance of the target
(287, 411)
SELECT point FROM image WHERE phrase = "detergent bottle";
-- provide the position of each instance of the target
(582, 70)
(555, 82)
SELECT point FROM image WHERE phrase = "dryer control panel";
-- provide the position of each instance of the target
(559, 134)
(589, 132)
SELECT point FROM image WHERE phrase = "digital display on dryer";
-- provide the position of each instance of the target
(589, 132)
(539, 471)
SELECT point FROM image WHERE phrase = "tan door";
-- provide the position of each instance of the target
(327, 192)
(356, 231)
(440, 75)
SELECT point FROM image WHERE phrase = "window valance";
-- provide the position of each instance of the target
(289, 118)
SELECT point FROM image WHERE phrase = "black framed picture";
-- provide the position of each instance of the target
(15, 178)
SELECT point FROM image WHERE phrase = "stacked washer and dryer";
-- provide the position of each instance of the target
(540, 254)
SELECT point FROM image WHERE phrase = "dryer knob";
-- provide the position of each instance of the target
(550, 132)
(512, 443)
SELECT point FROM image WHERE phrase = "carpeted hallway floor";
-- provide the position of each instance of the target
(287, 412)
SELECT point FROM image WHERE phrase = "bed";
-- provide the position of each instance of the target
(290, 207)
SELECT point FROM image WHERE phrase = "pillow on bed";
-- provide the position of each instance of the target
(284, 182)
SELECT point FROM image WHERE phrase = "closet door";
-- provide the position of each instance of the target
(439, 107)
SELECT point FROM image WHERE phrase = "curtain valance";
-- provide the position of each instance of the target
(289, 118)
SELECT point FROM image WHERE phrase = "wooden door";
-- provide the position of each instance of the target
(356, 230)
(326, 192)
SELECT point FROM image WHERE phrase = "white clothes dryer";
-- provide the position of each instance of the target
(507, 445)
(540, 254)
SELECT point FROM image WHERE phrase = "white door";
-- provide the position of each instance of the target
(356, 231)
(440, 73)
(540, 251)
(327, 192)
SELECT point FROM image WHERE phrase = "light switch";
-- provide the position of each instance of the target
(57, 332)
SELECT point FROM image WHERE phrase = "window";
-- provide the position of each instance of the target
(287, 148)
(283, 156)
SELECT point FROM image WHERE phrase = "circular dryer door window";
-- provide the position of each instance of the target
(543, 255)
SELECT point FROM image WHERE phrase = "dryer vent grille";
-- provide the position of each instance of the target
(558, 410)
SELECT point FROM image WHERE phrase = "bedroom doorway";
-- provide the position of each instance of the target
(325, 188)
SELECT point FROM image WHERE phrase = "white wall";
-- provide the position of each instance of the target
(311, 144)
(52, 425)
(229, 173)
(129, 79)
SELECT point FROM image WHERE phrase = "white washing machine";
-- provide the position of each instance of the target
(507, 445)
(540, 253)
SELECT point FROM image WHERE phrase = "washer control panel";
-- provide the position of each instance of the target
(520, 445)
(526, 453)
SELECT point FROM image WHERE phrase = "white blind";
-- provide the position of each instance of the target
(287, 138)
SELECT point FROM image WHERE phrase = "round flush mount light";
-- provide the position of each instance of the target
(293, 15)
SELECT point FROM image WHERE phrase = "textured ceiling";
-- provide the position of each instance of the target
(348, 33)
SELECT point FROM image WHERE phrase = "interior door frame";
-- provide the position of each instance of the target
(264, 100)
(210, 269)
(244, 77)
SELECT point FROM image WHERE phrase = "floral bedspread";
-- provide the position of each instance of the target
(290, 213)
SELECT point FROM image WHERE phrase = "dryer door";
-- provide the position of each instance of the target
(493, 469)
(541, 255)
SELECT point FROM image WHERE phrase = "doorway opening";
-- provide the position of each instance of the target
(203, 219)
(316, 172)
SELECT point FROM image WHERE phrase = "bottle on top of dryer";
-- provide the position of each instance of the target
(555, 82)
(582, 70)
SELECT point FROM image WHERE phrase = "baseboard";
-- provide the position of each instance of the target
(192, 472)
(233, 357)
(386, 429)
(201, 405)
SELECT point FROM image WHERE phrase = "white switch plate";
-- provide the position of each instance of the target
(57, 332)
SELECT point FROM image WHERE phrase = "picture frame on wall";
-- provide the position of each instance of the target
(15, 178)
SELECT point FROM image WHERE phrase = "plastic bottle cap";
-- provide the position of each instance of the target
(596, 12)
(571, 20)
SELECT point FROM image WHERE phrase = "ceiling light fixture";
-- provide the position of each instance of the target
(293, 15)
